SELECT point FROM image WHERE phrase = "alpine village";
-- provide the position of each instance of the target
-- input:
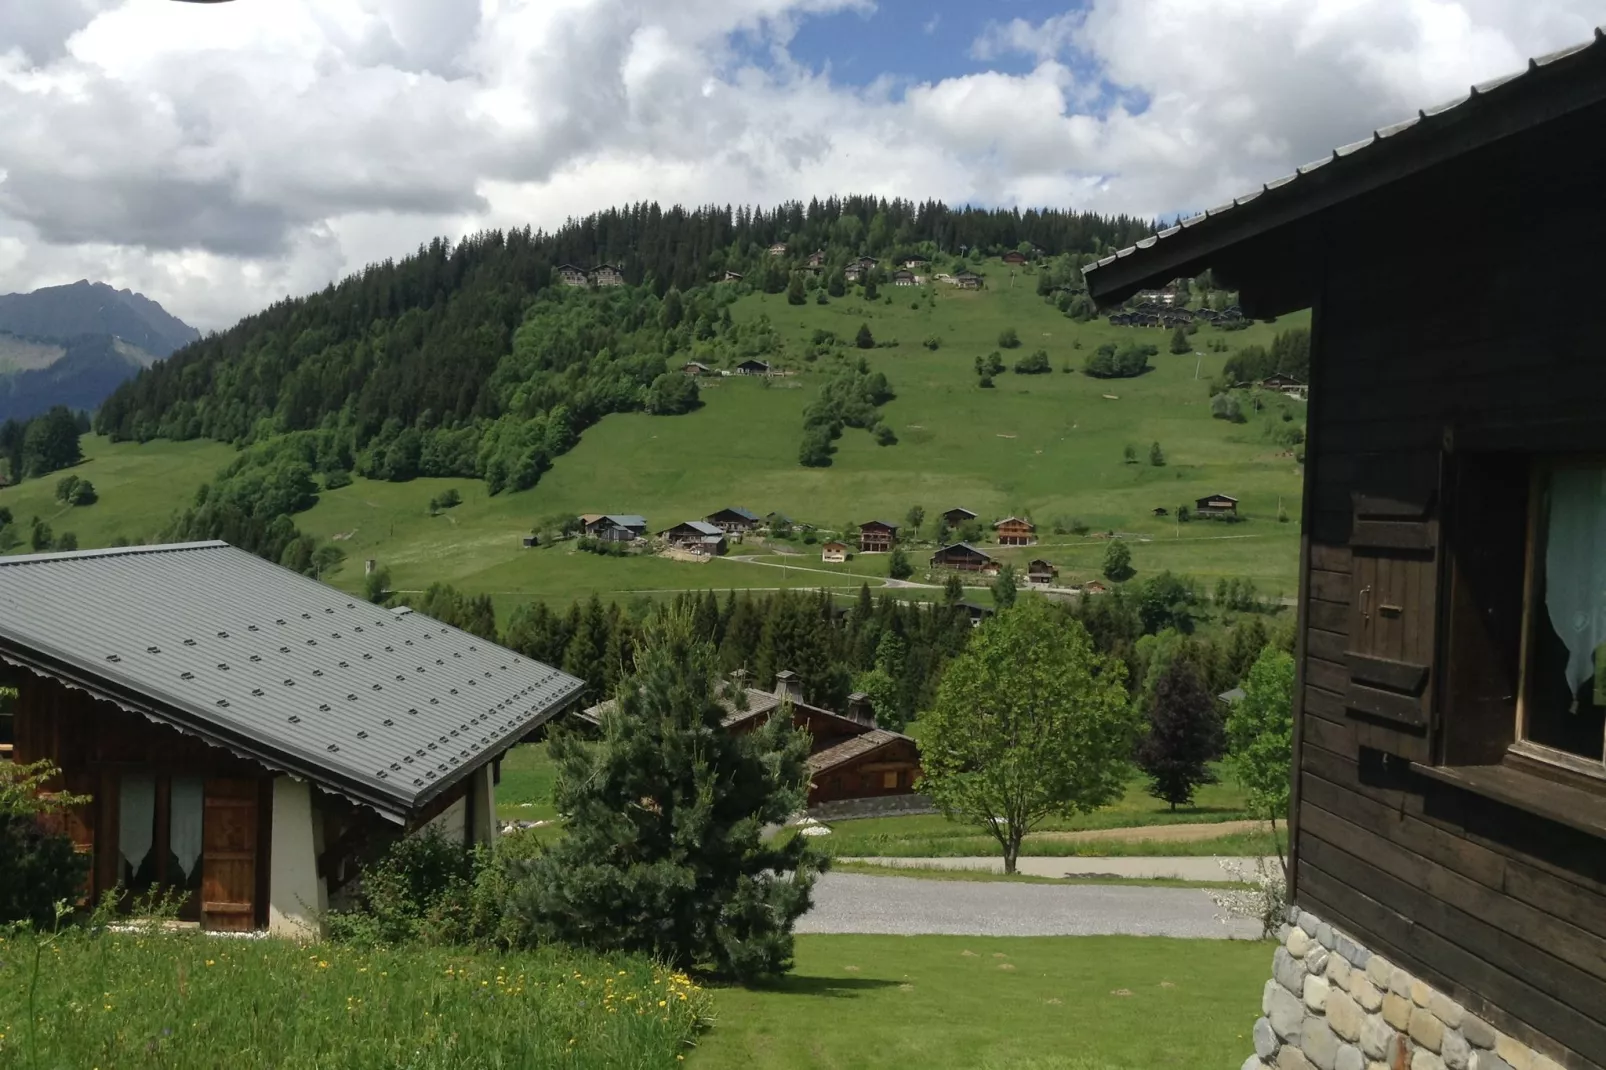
(857, 632)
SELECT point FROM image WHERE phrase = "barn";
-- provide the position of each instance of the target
(248, 737)
(1448, 860)
(877, 536)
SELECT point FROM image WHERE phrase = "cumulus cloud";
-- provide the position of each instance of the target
(220, 157)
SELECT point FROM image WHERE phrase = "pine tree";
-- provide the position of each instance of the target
(1184, 736)
(664, 853)
(1005, 588)
(588, 648)
(864, 339)
(794, 290)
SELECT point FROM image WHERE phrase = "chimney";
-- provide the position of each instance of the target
(738, 679)
(859, 709)
(787, 685)
(368, 567)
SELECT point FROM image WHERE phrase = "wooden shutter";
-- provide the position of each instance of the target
(229, 856)
(1394, 544)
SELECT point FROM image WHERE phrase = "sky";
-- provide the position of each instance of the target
(219, 157)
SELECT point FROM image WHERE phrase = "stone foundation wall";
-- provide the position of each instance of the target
(1333, 1005)
(875, 806)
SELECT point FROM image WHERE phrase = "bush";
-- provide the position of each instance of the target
(336, 480)
(74, 491)
(66, 542)
(41, 867)
(1009, 338)
(985, 382)
(898, 566)
(1118, 562)
(1129, 361)
(1227, 407)
(932, 342)
(884, 436)
(1156, 456)
(1036, 364)
(864, 339)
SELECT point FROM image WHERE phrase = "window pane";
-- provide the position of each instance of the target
(136, 829)
(1565, 707)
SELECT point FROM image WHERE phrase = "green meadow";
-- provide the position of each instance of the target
(1046, 445)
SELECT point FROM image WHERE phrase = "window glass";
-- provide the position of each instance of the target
(1566, 694)
(136, 830)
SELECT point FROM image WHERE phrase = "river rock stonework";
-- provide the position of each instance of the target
(1333, 1005)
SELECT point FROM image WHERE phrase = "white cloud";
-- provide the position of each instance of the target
(220, 157)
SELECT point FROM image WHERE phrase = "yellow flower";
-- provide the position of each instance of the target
(210, 962)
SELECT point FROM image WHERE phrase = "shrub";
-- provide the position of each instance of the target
(864, 339)
(66, 542)
(336, 480)
(985, 382)
(898, 566)
(1129, 361)
(1118, 562)
(884, 436)
(1227, 407)
(1009, 338)
(41, 867)
(932, 342)
(1036, 364)
(1156, 456)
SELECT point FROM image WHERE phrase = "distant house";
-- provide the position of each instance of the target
(778, 249)
(816, 260)
(834, 553)
(866, 262)
(977, 613)
(753, 367)
(1095, 587)
(1216, 505)
(692, 367)
(963, 557)
(733, 276)
(783, 522)
(852, 273)
(1040, 571)
(958, 517)
(916, 262)
(1283, 384)
(877, 536)
(967, 280)
(609, 275)
(732, 520)
(1013, 531)
(1014, 257)
(531, 541)
(570, 275)
(904, 278)
(698, 536)
(617, 527)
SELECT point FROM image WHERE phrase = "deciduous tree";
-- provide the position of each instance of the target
(1117, 561)
(1260, 738)
(1184, 735)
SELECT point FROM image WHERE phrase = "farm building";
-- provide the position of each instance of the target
(866, 263)
(733, 276)
(733, 520)
(877, 536)
(816, 260)
(904, 278)
(853, 273)
(1014, 258)
(615, 527)
(966, 280)
(957, 517)
(570, 275)
(753, 367)
(963, 557)
(1283, 384)
(608, 275)
(834, 552)
(1040, 571)
(1013, 531)
(976, 612)
(1094, 587)
(531, 541)
(849, 756)
(1449, 792)
(1216, 505)
(696, 368)
(250, 753)
(778, 249)
(696, 535)
(914, 263)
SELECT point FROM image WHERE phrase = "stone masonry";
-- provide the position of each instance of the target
(1333, 1005)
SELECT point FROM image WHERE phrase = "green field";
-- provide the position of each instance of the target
(1048, 445)
(1054, 1003)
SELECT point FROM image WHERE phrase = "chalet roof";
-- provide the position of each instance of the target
(849, 749)
(701, 527)
(1014, 520)
(1550, 87)
(607, 267)
(388, 708)
(754, 363)
(881, 523)
(745, 514)
(958, 509)
(571, 267)
(1219, 498)
(834, 542)
(626, 520)
(965, 546)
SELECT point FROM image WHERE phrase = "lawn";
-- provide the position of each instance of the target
(177, 1002)
(1055, 1003)
(1048, 445)
(525, 793)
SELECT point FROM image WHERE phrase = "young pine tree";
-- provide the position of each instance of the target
(664, 853)
(1184, 735)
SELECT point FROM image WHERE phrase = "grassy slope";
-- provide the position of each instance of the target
(1059, 1003)
(1049, 445)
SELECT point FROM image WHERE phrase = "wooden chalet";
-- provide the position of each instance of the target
(1216, 505)
(958, 517)
(850, 757)
(698, 536)
(816, 260)
(904, 278)
(733, 276)
(753, 367)
(833, 552)
(571, 275)
(853, 273)
(877, 536)
(1014, 258)
(1283, 384)
(617, 527)
(250, 753)
(966, 280)
(1040, 571)
(1095, 587)
(778, 249)
(963, 557)
(866, 263)
(1013, 531)
(697, 368)
(607, 275)
(914, 263)
(977, 613)
(1449, 777)
(734, 520)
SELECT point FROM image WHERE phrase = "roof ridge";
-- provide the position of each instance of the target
(110, 551)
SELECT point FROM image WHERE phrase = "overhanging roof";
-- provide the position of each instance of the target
(1550, 87)
(388, 708)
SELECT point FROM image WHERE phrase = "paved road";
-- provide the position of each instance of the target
(1185, 869)
(854, 903)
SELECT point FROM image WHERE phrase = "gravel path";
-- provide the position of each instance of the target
(855, 903)
(1180, 868)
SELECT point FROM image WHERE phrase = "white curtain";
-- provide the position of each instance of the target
(188, 806)
(1575, 568)
(136, 817)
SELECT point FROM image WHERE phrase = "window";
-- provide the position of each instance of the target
(889, 780)
(1561, 711)
(159, 835)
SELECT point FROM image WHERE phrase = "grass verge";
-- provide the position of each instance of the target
(1039, 1003)
(985, 876)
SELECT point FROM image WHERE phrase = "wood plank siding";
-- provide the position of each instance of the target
(1447, 359)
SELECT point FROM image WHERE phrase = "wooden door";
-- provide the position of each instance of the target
(1394, 606)
(229, 856)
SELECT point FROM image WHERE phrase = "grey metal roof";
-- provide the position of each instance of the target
(626, 520)
(386, 707)
(965, 546)
(1357, 156)
(745, 514)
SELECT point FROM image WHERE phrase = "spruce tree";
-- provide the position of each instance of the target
(1184, 736)
(664, 853)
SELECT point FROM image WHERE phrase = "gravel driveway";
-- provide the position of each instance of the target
(856, 903)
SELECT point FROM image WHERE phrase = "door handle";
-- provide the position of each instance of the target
(1366, 602)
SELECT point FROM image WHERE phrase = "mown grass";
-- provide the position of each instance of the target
(1042, 1003)
(982, 876)
(176, 1002)
(1048, 445)
(525, 793)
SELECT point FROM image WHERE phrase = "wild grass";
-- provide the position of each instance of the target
(181, 1001)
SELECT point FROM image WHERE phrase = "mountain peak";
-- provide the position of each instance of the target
(55, 313)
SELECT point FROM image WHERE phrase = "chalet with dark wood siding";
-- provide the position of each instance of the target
(1216, 505)
(698, 536)
(1040, 571)
(963, 557)
(607, 275)
(616, 527)
(696, 368)
(877, 536)
(250, 753)
(853, 273)
(753, 367)
(1013, 531)
(1449, 816)
(958, 517)
(966, 280)
(734, 520)
(1014, 258)
(570, 275)
(904, 278)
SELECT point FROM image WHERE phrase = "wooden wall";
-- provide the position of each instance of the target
(1457, 334)
(865, 778)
